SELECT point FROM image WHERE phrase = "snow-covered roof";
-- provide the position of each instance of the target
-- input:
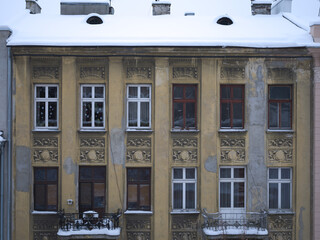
(259, 31)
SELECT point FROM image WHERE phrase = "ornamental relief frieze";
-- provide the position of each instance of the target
(280, 155)
(185, 155)
(280, 227)
(184, 222)
(138, 235)
(46, 72)
(138, 142)
(45, 155)
(185, 142)
(280, 236)
(280, 142)
(185, 72)
(92, 142)
(232, 73)
(233, 155)
(280, 149)
(45, 235)
(232, 142)
(184, 235)
(45, 142)
(280, 74)
(139, 72)
(139, 156)
(92, 155)
(138, 224)
(97, 72)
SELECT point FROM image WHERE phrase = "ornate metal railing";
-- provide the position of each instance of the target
(88, 221)
(241, 221)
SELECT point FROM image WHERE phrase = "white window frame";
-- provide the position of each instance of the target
(46, 100)
(184, 181)
(279, 181)
(139, 101)
(92, 100)
(233, 180)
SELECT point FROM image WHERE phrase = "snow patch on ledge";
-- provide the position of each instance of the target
(235, 231)
(137, 212)
(103, 231)
(44, 212)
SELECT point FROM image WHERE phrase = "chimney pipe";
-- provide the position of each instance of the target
(161, 8)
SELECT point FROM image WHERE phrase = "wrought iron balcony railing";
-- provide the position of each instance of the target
(249, 223)
(89, 222)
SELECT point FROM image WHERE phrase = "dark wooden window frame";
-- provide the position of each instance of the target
(231, 101)
(279, 102)
(92, 181)
(184, 101)
(138, 182)
(46, 183)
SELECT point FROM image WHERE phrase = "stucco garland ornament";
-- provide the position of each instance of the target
(45, 155)
(232, 155)
(184, 155)
(280, 156)
(138, 155)
(92, 155)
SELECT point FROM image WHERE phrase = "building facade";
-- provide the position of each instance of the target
(183, 143)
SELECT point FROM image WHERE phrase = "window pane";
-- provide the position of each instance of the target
(190, 115)
(225, 194)
(285, 195)
(85, 173)
(85, 195)
(273, 195)
(190, 173)
(177, 92)
(133, 114)
(178, 114)
(98, 195)
(132, 174)
(99, 173)
(40, 197)
(225, 173)
(52, 174)
(132, 196)
(286, 115)
(273, 115)
(190, 92)
(52, 92)
(237, 115)
(98, 114)
(239, 173)
(238, 195)
(190, 196)
(285, 173)
(133, 92)
(237, 93)
(225, 115)
(41, 92)
(52, 197)
(98, 92)
(144, 196)
(144, 92)
(225, 92)
(177, 196)
(39, 174)
(52, 118)
(280, 92)
(144, 174)
(177, 173)
(273, 173)
(40, 114)
(87, 92)
(86, 114)
(144, 114)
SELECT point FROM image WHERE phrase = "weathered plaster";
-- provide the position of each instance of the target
(117, 145)
(301, 226)
(69, 166)
(211, 164)
(23, 169)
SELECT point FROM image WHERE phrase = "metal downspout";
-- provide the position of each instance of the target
(9, 139)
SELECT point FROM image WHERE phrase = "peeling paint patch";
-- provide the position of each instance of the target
(117, 145)
(69, 166)
(211, 164)
(23, 169)
(301, 226)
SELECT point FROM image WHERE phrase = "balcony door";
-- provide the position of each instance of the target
(92, 189)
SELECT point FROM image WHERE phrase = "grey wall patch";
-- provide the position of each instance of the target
(211, 164)
(117, 145)
(23, 169)
(69, 166)
(301, 226)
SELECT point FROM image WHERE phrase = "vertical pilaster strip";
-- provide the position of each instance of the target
(161, 179)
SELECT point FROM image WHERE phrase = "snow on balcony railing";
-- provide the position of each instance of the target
(249, 223)
(89, 223)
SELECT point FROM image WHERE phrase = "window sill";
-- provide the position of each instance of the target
(284, 212)
(223, 130)
(185, 130)
(43, 212)
(138, 130)
(280, 131)
(128, 212)
(46, 130)
(185, 212)
(92, 130)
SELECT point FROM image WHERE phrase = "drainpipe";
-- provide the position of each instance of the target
(2, 145)
(9, 139)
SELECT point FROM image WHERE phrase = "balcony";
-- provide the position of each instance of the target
(89, 224)
(251, 225)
